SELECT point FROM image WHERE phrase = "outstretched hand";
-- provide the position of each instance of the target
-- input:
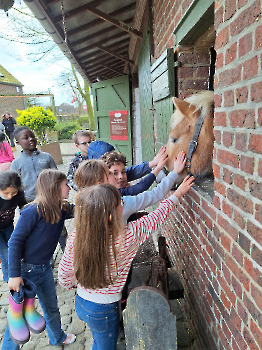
(179, 162)
(156, 160)
(161, 163)
(14, 283)
(184, 187)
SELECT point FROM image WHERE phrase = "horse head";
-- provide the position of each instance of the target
(183, 123)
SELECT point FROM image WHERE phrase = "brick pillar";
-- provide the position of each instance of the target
(193, 74)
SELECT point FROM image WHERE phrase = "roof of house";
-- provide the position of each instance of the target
(8, 78)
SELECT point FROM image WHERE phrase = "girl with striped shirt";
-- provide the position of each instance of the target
(99, 254)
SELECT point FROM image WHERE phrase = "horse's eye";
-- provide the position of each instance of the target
(172, 139)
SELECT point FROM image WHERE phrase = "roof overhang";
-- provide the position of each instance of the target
(96, 36)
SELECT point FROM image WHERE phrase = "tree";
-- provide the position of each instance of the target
(37, 119)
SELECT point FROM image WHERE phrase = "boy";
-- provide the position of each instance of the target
(82, 139)
(31, 162)
(116, 163)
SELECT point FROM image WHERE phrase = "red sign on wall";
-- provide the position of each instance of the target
(118, 125)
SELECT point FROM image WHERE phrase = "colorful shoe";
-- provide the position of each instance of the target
(34, 321)
(18, 330)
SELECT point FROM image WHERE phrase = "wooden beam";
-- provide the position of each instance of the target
(113, 46)
(112, 69)
(114, 21)
(112, 53)
(112, 65)
(101, 42)
(98, 21)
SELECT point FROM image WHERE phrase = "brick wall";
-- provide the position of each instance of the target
(10, 104)
(216, 243)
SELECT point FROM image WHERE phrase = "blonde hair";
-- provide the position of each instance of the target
(48, 195)
(90, 173)
(97, 226)
(80, 133)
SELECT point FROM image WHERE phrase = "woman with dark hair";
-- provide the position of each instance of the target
(9, 124)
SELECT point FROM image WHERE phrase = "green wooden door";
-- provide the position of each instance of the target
(146, 102)
(112, 97)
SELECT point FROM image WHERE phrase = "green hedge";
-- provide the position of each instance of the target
(66, 130)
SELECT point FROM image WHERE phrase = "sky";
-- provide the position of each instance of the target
(36, 77)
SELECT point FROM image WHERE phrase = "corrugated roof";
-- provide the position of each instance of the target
(8, 78)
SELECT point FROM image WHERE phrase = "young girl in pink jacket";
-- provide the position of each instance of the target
(6, 154)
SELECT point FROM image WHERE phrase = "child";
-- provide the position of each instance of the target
(6, 154)
(11, 196)
(93, 172)
(116, 163)
(31, 161)
(82, 139)
(99, 233)
(34, 240)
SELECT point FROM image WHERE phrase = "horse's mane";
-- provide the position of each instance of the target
(203, 101)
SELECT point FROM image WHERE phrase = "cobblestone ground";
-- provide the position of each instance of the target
(70, 321)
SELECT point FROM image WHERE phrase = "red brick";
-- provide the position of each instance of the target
(228, 158)
(242, 94)
(202, 72)
(222, 38)
(220, 119)
(244, 242)
(249, 339)
(258, 38)
(256, 254)
(251, 308)
(216, 170)
(233, 232)
(239, 219)
(219, 60)
(231, 54)
(258, 213)
(247, 164)
(242, 118)
(236, 253)
(234, 267)
(239, 181)
(226, 242)
(256, 333)
(245, 45)
(227, 208)
(218, 17)
(216, 202)
(228, 98)
(242, 312)
(260, 168)
(227, 176)
(250, 68)
(227, 138)
(237, 288)
(255, 274)
(257, 296)
(225, 301)
(259, 117)
(255, 189)
(217, 100)
(255, 143)
(220, 188)
(255, 232)
(230, 9)
(245, 18)
(241, 142)
(241, 3)
(229, 76)
(234, 345)
(256, 92)
(240, 201)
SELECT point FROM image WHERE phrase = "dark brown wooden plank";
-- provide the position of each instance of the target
(113, 53)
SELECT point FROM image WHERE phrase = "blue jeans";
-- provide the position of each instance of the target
(102, 319)
(5, 234)
(43, 278)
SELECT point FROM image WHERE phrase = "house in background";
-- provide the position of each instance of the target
(11, 91)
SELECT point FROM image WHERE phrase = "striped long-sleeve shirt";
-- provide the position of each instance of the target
(135, 233)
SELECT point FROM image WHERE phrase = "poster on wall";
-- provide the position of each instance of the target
(118, 125)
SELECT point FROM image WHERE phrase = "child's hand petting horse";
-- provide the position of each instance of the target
(184, 186)
(179, 162)
(157, 158)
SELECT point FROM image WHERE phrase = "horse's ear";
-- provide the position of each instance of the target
(181, 105)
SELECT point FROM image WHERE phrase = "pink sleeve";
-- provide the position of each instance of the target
(66, 274)
(9, 151)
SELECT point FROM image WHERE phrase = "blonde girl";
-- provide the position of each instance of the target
(99, 254)
(34, 241)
